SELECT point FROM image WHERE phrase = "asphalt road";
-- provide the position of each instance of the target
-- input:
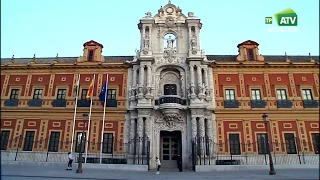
(36, 172)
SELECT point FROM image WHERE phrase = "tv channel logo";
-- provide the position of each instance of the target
(286, 17)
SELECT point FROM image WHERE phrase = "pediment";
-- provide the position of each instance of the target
(248, 42)
(170, 12)
(92, 43)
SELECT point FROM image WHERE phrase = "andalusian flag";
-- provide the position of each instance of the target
(76, 89)
(90, 91)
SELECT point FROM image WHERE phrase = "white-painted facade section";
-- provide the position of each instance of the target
(170, 87)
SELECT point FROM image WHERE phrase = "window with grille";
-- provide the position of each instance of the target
(281, 94)
(4, 139)
(28, 141)
(290, 143)
(78, 142)
(111, 94)
(234, 142)
(14, 93)
(61, 94)
(37, 94)
(170, 89)
(306, 94)
(84, 93)
(262, 140)
(316, 142)
(107, 146)
(255, 94)
(230, 94)
(54, 142)
(251, 54)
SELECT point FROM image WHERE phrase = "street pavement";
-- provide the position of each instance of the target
(36, 172)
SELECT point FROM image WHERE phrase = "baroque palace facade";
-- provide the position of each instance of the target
(170, 94)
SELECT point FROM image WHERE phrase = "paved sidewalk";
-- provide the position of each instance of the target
(34, 172)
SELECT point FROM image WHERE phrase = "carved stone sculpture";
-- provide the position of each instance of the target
(170, 42)
(148, 15)
(171, 119)
(146, 42)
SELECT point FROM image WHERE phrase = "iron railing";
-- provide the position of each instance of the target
(208, 152)
(45, 150)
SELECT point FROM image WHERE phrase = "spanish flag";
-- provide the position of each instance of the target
(90, 90)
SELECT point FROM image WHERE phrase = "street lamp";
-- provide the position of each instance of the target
(85, 118)
(266, 122)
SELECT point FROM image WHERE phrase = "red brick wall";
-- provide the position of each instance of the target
(13, 82)
(40, 80)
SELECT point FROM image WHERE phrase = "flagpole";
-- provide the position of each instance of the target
(75, 114)
(104, 117)
(88, 134)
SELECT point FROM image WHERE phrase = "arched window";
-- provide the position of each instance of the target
(170, 89)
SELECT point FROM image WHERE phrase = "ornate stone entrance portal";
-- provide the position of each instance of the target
(170, 148)
(169, 87)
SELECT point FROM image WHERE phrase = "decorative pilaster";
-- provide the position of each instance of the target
(26, 92)
(293, 90)
(51, 82)
(5, 84)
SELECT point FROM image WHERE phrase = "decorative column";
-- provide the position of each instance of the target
(190, 36)
(210, 78)
(147, 126)
(149, 78)
(183, 95)
(140, 134)
(199, 75)
(194, 127)
(210, 134)
(192, 79)
(132, 134)
(141, 80)
(197, 35)
(206, 81)
(201, 134)
(134, 81)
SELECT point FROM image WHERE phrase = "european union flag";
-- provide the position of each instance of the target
(103, 93)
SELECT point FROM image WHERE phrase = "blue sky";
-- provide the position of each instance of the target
(45, 28)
